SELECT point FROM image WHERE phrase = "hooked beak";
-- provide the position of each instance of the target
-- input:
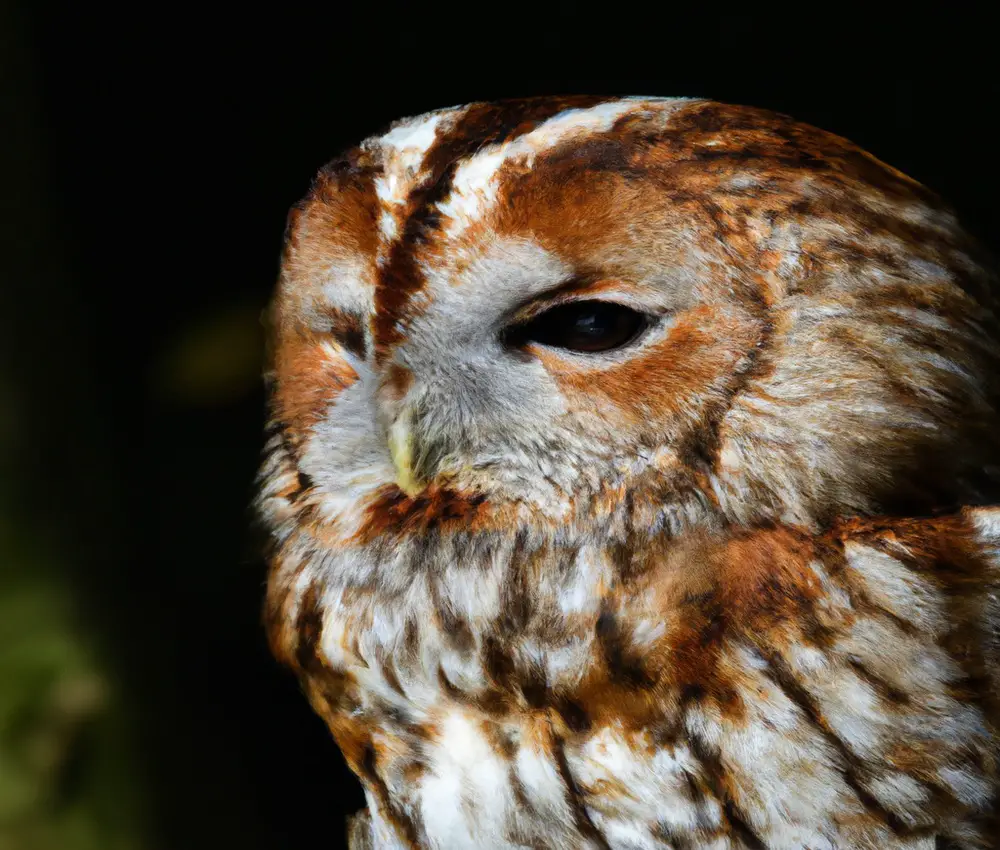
(401, 450)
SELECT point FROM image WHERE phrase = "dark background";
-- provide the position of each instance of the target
(150, 155)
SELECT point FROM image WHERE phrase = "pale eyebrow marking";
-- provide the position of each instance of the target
(475, 184)
(404, 149)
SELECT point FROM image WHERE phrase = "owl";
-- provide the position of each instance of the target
(630, 483)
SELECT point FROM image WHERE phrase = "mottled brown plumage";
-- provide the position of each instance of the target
(630, 484)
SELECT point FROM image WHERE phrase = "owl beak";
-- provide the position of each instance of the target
(401, 450)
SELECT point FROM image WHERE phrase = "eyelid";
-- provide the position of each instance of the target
(603, 290)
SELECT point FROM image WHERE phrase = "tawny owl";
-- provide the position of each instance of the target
(629, 484)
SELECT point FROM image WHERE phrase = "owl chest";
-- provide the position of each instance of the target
(490, 753)
(460, 773)
(475, 721)
(484, 715)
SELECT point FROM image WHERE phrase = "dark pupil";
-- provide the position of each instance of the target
(584, 326)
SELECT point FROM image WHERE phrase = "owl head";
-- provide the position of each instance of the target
(674, 311)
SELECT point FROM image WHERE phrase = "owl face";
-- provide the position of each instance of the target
(532, 369)
(541, 311)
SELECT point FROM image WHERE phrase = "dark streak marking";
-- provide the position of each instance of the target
(534, 687)
(709, 440)
(308, 628)
(303, 483)
(498, 663)
(449, 687)
(784, 679)
(699, 793)
(401, 823)
(714, 773)
(493, 702)
(574, 797)
(348, 330)
(482, 125)
(392, 715)
(573, 715)
(623, 665)
(888, 692)
(457, 631)
(388, 669)
(623, 556)
(411, 638)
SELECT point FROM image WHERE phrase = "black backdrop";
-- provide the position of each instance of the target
(155, 153)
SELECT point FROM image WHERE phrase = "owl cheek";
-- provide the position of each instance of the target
(311, 374)
(673, 380)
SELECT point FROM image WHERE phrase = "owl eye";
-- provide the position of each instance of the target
(587, 326)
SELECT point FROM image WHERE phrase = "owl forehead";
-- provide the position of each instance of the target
(490, 200)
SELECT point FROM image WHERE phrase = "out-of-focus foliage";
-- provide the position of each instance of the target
(71, 777)
(67, 776)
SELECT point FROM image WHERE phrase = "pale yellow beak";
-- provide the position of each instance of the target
(401, 451)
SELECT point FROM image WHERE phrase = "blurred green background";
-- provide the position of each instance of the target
(149, 158)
